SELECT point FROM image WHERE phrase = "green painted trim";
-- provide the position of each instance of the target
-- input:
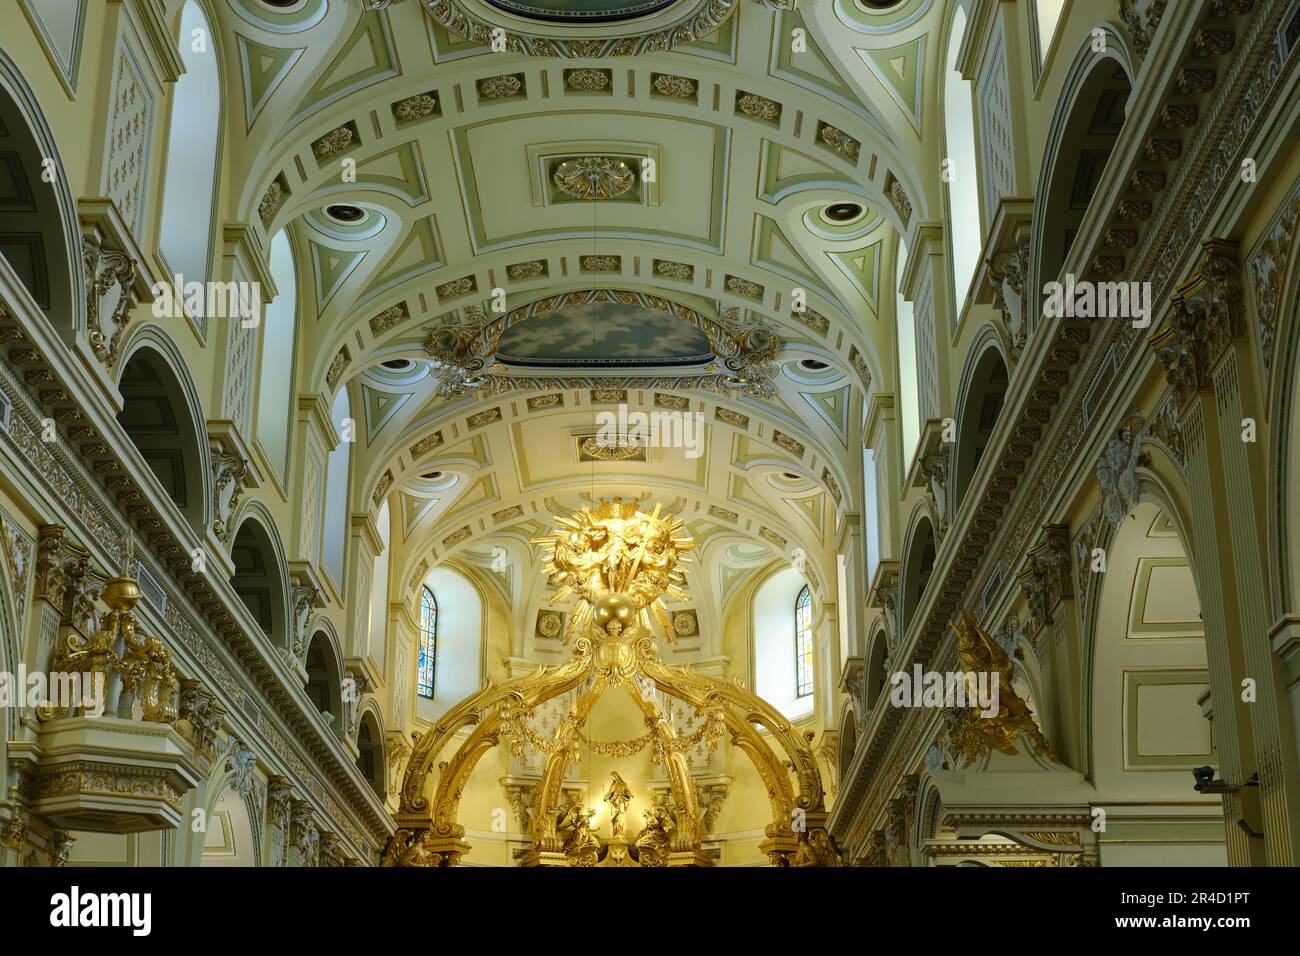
(1135, 680)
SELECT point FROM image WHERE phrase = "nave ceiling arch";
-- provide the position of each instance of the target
(442, 228)
(752, 145)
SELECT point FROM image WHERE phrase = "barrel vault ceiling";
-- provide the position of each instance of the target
(449, 151)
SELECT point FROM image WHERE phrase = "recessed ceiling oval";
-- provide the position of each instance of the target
(582, 11)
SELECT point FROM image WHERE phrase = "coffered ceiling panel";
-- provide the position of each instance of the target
(500, 163)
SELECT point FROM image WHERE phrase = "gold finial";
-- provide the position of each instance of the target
(122, 592)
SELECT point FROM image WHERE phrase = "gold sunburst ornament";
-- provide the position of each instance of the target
(615, 548)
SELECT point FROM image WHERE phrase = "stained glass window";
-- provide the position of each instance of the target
(803, 643)
(428, 642)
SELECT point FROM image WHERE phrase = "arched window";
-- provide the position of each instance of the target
(274, 407)
(910, 391)
(336, 490)
(963, 189)
(377, 644)
(186, 230)
(428, 643)
(803, 644)
(778, 673)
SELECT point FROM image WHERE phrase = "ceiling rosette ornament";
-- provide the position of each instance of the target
(594, 177)
(561, 32)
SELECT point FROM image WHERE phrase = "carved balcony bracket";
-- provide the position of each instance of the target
(354, 696)
(930, 471)
(1004, 268)
(853, 683)
(115, 279)
(305, 595)
(884, 595)
(234, 471)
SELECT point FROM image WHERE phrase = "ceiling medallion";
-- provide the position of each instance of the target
(699, 17)
(619, 449)
(588, 11)
(594, 177)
